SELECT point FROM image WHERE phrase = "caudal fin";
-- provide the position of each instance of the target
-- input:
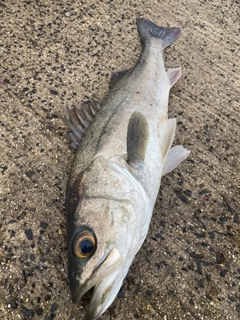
(148, 29)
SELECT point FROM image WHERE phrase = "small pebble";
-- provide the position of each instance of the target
(121, 294)
(39, 311)
(149, 293)
(238, 308)
(54, 306)
(224, 272)
(26, 311)
(43, 224)
(12, 304)
(29, 234)
(32, 257)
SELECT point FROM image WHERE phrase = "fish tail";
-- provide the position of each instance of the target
(147, 30)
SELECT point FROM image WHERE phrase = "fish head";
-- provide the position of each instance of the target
(91, 264)
(101, 251)
(104, 236)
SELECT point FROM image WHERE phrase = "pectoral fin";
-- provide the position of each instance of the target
(137, 139)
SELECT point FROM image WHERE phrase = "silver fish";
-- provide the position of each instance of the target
(123, 150)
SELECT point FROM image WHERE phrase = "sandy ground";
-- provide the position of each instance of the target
(56, 54)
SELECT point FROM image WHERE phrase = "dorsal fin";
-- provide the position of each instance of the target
(116, 77)
(78, 119)
(174, 75)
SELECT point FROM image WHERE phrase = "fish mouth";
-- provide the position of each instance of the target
(106, 282)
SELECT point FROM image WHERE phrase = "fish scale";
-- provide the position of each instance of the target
(123, 150)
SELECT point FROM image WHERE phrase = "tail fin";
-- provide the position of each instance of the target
(148, 29)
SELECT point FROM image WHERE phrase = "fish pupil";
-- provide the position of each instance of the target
(86, 246)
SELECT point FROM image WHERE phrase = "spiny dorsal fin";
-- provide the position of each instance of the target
(78, 119)
(137, 139)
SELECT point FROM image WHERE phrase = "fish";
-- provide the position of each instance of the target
(123, 148)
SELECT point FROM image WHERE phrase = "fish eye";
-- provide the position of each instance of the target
(84, 244)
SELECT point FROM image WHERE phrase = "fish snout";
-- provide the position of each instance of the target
(106, 279)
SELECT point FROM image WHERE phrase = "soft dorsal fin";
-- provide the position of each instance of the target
(137, 139)
(174, 75)
(78, 119)
(116, 77)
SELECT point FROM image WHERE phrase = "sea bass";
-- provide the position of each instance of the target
(123, 150)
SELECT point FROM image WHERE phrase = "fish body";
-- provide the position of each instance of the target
(123, 150)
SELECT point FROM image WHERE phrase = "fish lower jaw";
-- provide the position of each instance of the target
(103, 295)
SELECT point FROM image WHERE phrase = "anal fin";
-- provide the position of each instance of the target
(137, 139)
(172, 157)
(78, 119)
(168, 137)
(175, 156)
